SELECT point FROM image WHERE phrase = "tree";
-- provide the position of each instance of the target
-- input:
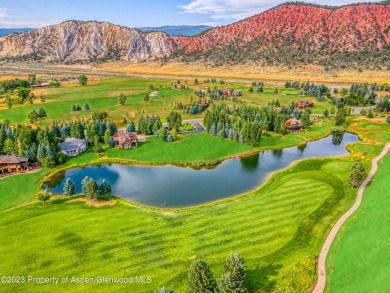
(226, 284)
(131, 127)
(196, 82)
(97, 146)
(32, 78)
(69, 187)
(340, 117)
(174, 134)
(90, 188)
(370, 113)
(146, 97)
(305, 119)
(83, 80)
(86, 107)
(105, 188)
(33, 116)
(42, 113)
(357, 175)
(8, 146)
(326, 113)
(235, 273)
(122, 99)
(174, 120)
(163, 134)
(107, 136)
(43, 196)
(77, 130)
(200, 278)
(276, 91)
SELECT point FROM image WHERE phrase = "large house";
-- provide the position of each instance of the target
(127, 140)
(13, 163)
(293, 124)
(304, 104)
(73, 146)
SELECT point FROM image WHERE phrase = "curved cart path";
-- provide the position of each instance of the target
(320, 286)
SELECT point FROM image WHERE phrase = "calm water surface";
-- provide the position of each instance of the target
(172, 186)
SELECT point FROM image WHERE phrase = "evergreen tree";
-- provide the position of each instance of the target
(305, 119)
(111, 143)
(69, 187)
(326, 113)
(90, 188)
(131, 127)
(174, 120)
(226, 284)
(107, 137)
(42, 113)
(86, 107)
(174, 134)
(8, 147)
(105, 188)
(236, 271)
(200, 278)
(340, 117)
(357, 175)
(163, 134)
(83, 80)
(97, 146)
(122, 99)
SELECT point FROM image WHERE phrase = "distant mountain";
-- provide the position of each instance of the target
(6, 31)
(177, 30)
(291, 33)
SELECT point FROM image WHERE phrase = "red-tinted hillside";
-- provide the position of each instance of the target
(349, 28)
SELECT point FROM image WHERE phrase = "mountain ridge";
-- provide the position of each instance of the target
(289, 33)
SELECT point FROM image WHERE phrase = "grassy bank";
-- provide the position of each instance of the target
(278, 228)
(358, 260)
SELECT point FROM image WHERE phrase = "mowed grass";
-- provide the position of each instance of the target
(358, 261)
(273, 228)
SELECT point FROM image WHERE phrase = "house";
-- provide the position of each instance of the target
(226, 92)
(73, 146)
(13, 163)
(304, 104)
(293, 124)
(127, 140)
(41, 85)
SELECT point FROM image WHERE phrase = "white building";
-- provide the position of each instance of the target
(73, 146)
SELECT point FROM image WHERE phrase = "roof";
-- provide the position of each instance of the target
(12, 159)
(72, 144)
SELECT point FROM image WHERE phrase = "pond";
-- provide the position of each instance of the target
(173, 186)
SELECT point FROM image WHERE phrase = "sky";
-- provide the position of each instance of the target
(136, 13)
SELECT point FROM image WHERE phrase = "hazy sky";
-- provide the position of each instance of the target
(135, 13)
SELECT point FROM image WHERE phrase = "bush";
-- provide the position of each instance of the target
(48, 162)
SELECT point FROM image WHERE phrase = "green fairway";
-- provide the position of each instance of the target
(273, 228)
(358, 261)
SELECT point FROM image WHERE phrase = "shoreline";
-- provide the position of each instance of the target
(263, 182)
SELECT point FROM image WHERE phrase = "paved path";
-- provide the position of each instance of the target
(320, 286)
(196, 122)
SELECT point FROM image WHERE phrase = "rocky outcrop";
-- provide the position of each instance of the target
(74, 40)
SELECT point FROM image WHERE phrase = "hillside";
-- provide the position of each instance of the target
(177, 30)
(76, 40)
(298, 32)
(288, 34)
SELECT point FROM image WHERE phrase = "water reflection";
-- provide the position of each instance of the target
(173, 186)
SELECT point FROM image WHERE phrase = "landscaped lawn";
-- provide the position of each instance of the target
(278, 228)
(274, 228)
(359, 259)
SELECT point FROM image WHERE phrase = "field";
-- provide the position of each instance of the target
(103, 94)
(358, 260)
(67, 237)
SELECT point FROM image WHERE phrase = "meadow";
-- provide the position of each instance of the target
(103, 94)
(278, 228)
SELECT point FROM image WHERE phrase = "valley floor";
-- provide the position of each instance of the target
(278, 228)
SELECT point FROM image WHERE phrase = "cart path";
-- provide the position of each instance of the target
(321, 282)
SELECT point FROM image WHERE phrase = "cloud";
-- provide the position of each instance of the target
(233, 10)
(7, 20)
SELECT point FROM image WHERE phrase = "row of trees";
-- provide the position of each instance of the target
(200, 277)
(90, 188)
(34, 116)
(321, 92)
(39, 145)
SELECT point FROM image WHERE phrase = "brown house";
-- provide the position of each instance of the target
(127, 140)
(293, 124)
(304, 104)
(13, 163)
(227, 92)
